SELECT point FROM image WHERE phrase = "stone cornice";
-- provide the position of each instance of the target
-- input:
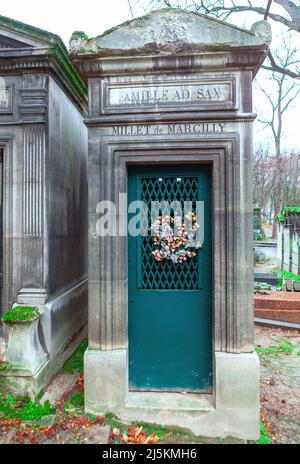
(50, 61)
(171, 40)
(34, 49)
(250, 58)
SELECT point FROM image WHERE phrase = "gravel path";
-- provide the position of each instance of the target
(280, 382)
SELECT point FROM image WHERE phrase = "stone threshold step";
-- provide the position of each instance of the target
(170, 401)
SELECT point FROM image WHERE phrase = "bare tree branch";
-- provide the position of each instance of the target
(280, 69)
(292, 9)
(290, 101)
(223, 9)
(130, 8)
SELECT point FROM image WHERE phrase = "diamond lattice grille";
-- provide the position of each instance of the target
(166, 275)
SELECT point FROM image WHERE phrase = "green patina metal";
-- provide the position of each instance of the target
(166, 275)
(170, 305)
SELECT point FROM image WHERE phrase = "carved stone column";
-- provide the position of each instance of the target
(33, 105)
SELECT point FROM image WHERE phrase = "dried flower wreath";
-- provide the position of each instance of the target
(175, 239)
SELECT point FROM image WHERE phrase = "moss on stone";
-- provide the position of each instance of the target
(57, 49)
(24, 409)
(66, 65)
(74, 365)
(5, 366)
(79, 35)
(33, 31)
(21, 314)
(76, 401)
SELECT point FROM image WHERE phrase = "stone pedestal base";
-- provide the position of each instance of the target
(62, 327)
(233, 410)
(24, 350)
(18, 382)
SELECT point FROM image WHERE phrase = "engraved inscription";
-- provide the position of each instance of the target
(169, 129)
(168, 95)
(156, 95)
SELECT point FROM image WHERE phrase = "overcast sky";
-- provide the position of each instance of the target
(95, 16)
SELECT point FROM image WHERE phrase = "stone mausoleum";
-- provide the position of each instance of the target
(43, 147)
(169, 119)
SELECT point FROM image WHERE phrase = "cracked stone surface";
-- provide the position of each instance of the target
(62, 383)
(170, 31)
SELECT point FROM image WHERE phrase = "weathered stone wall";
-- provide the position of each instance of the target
(67, 178)
(45, 189)
(159, 128)
(45, 195)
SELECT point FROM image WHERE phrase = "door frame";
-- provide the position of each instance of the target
(231, 223)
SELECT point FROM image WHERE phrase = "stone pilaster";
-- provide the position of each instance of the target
(33, 247)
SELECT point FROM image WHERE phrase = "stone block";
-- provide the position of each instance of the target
(103, 392)
(233, 411)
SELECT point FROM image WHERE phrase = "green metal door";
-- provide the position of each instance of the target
(170, 304)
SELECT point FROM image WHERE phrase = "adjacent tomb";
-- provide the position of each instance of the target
(43, 147)
(289, 247)
(170, 118)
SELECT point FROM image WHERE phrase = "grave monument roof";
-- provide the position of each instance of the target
(23, 46)
(171, 31)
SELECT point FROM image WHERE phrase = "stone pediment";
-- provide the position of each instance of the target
(24, 47)
(170, 32)
(8, 42)
(18, 35)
